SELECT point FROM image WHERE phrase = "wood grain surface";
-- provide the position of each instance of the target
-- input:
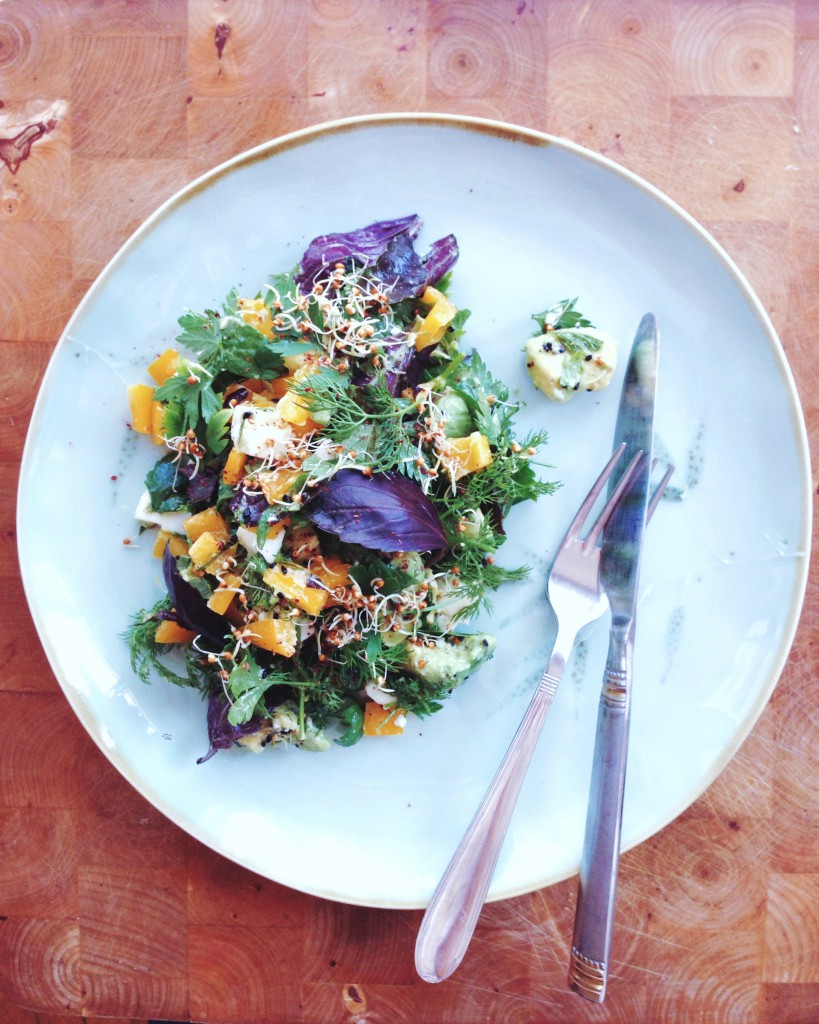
(107, 107)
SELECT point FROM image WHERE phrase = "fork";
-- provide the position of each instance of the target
(577, 599)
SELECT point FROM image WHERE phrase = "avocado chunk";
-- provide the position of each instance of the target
(452, 659)
(458, 419)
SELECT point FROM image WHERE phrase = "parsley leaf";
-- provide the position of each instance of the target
(194, 393)
(562, 315)
(216, 430)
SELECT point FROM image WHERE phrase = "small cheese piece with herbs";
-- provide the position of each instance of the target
(569, 354)
(329, 501)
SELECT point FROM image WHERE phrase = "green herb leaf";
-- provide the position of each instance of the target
(561, 315)
(216, 432)
(192, 388)
(160, 482)
(146, 654)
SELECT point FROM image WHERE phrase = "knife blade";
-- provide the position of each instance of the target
(619, 574)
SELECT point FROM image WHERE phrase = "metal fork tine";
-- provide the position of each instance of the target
(654, 500)
(583, 512)
(614, 498)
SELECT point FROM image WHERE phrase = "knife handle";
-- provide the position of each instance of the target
(594, 917)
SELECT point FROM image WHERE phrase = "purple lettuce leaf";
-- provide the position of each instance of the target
(221, 734)
(191, 608)
(442, 257)
(383, 512)
(364, 245)
(387, 246)
(401, 269)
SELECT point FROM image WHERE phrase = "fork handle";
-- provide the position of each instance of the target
(594, 917)
(453, 912)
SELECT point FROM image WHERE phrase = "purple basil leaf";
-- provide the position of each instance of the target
(364, 245)
(384, 512)
(419, 362)
(247, 506)
(397, 358)
(441, 257)
(401, 269)
(202, 488)
(221, 734)
(191, 608)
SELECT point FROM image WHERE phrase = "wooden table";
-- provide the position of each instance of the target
(107, 909)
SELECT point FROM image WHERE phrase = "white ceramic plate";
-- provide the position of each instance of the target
(537, 220)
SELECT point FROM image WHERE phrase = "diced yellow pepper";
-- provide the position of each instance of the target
(157, 418)
(292, 583)
(279, 387)
(164, 366)
(227, 592)
(178, 545)
(208, 552)
(140, 400)
(204, 549)
(276, 483)
(168, 632)
(471, 453)
(294, 409)
(277, 635)
(381, 721)
(435, 323)
(234, 468)
(208, 521)
(331, 571)
(255, 313)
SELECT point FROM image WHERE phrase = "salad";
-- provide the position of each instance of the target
(329, 497)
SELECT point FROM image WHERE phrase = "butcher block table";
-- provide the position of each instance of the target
(107, 108)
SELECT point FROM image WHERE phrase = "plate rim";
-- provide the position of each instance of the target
(507, 131)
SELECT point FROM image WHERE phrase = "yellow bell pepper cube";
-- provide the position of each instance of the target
(157, 419)
(178, 545)
(331, 571)
(140, 401)
(209, 553)
(164, 366)
(293, 584)
(234, 468)
(470, 453)
(381, 721)
(294, 409)
(207, 521)
(225, 594)
(276, 483)
(276, 635)
(168, 632)
(256, 313)
(435, 323)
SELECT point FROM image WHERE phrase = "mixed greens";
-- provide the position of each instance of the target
(330, 498)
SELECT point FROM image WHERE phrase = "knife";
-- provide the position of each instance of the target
(619, 575)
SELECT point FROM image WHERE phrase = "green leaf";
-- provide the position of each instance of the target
(268, 517)
(160, 482)
(246, 686)
(192, 388)
(561, 315)
(146, 654)
(395, 580)
(216, 432)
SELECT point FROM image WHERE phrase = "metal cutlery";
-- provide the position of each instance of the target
(577, 599)
(619, 576)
